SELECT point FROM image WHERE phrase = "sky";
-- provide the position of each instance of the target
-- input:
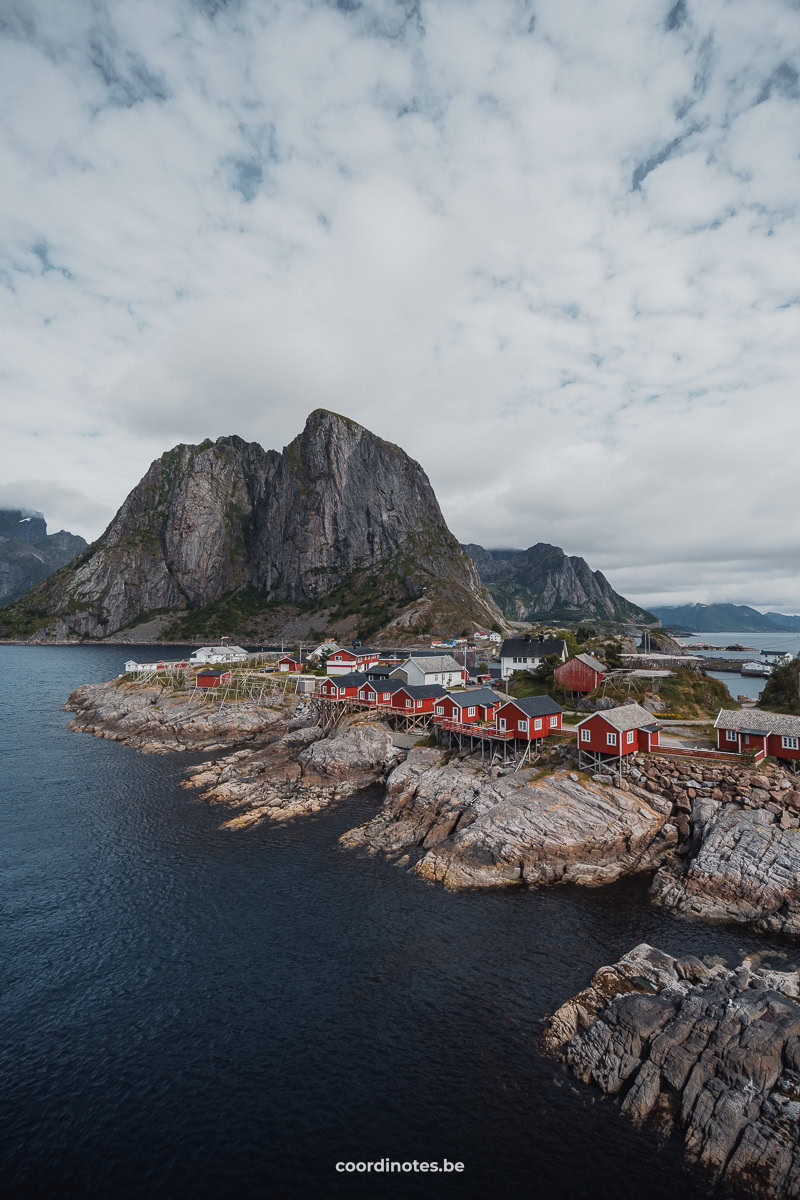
(549, 248)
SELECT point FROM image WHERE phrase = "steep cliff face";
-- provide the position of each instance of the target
(29, 554)
(339, 508)
(544, 583)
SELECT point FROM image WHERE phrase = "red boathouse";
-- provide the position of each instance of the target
(583, 673)
(528, 719)
(759, 734)
(211, 679)
(608, 738)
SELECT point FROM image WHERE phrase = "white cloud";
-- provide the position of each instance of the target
(550, 249)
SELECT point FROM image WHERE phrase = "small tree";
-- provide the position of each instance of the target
(496, 628)
(584, 633)
(612, 656)
(546, 670)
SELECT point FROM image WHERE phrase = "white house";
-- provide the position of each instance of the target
(326, 647)
(525, 654)
(217, 654)
(442, 669)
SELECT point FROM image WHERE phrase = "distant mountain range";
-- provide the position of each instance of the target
(543, 583)
(725, 618)
(29, 554)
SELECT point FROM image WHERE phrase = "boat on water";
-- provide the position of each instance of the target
(762, 669)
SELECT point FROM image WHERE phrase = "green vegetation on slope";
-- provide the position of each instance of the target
(782, 690)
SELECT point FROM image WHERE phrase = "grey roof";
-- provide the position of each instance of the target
(484, 696)
(627, 716)
(655, 728)
(378, 672)
(351, 679)
(423, 691)
(385, 685)
(751, 720)
(530, 648)
(536, 706)
(435, 664)
(592, 662)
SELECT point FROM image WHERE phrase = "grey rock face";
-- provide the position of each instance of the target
(466, 830)
(746, 868)
(206, 520)
(711, 1053)
(157, 721)
(543, 582)
(29, 554)
(297, 774)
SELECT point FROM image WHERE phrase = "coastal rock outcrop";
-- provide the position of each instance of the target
(744, 867)
(708, 1052)
(464, 829)
(157, 721)
(299, 773)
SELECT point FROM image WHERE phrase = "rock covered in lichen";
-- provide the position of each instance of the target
(709, 1052)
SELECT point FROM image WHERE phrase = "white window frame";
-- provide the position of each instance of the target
(789, 742)
(471, 711)
(730, 735)
(387, 696)
(611, 739)
(586, 735)
(409, 703)
(363, 694)
(439, 710)
(554, 722)
(629, 738)
(419, 704)
(537, 724)
(522, 726)
(341, 691)
(501, 724)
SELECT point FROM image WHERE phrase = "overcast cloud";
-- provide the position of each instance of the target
(549, 248)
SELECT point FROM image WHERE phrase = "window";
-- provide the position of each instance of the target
(790, 743)
(522, 726)
(611, 739)
(730, 735)
(341, 691)
(409, 703)
(386, 695)
(471, 711)
(554, 722)
(586, 735)
(419, 704)
(439, 710)
(629, 738)
(363, 695)
(501, 724)
(537, 724)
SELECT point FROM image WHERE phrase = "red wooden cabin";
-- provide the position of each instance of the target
(211, 679)
(342, 661)
(289, 663)
(530, 718)
(759, 734)
(470, 707)
(417, 698)
(618, 731)
(583, 673)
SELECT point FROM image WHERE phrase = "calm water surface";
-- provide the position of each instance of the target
(192, 1012)
(744, 685)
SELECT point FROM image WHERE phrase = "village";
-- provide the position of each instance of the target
(479, 707)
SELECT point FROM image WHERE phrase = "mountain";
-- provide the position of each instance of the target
(543, 583)
(28, 553)
(341, 531)
(725, 618)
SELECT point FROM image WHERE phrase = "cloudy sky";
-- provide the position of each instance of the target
(549, 247)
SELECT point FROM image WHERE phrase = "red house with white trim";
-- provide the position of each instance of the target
(583, 673)
(470, 707)
(417, 698)
(356, 659)
(618, 732)
(759, 734)
(291, 664)
(530, 718)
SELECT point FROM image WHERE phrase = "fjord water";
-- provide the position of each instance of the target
(188, 1011)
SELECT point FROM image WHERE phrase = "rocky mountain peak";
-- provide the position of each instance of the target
(338, 508)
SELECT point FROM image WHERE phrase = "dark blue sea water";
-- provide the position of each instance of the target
(187, 1011)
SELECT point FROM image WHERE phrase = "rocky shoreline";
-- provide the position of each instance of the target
(721, 841)
(706, 1051)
